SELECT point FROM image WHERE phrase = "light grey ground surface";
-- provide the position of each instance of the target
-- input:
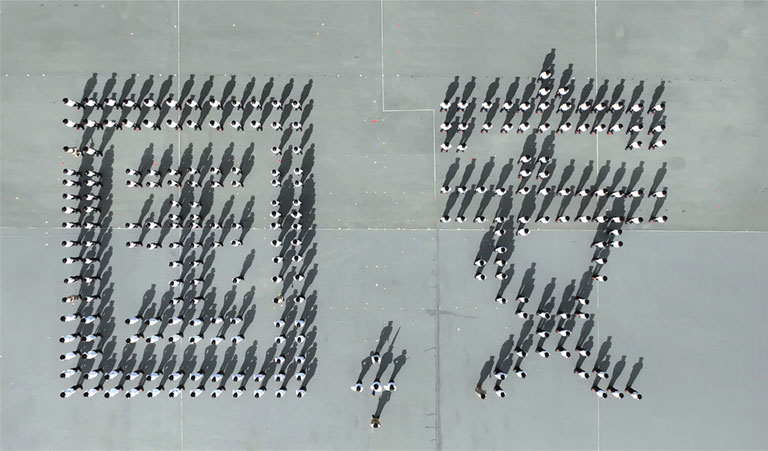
(687, 297)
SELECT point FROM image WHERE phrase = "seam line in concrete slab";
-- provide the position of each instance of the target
(597, 135)
(438, 434)
(178, 150)
(438, 430)
(381, 17)
(597, 162)
(429, 229)
(597, 400)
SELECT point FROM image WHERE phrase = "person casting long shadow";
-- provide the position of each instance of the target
(376, 417)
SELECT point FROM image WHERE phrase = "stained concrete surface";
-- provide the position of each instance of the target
(686, 297)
